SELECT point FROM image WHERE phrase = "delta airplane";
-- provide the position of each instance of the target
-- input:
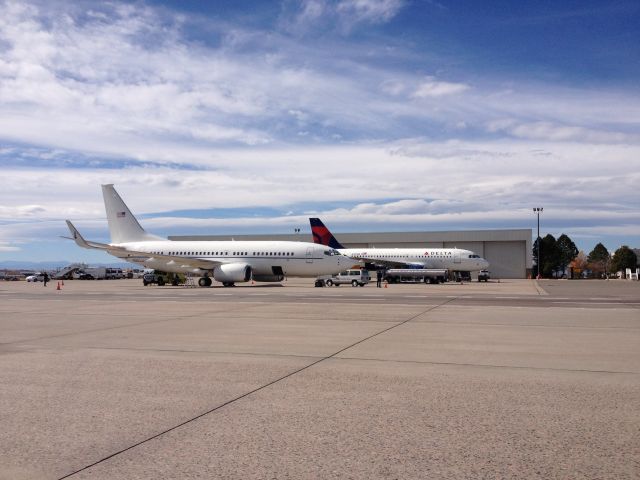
(227, 262)
(454, 259)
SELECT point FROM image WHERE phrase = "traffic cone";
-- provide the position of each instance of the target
(58, 287)
(385, 284)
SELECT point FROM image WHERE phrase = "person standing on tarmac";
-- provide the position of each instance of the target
(45, 278)
(379, 279)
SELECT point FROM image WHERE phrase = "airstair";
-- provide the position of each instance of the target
(66, 272)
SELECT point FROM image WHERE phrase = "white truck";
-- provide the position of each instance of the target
(91, 273)
(355, 277)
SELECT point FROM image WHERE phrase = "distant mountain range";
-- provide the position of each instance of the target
(54, 265)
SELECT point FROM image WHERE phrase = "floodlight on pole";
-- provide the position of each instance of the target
(538, 210)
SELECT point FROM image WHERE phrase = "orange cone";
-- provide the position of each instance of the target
(58, 287)
(385, 284)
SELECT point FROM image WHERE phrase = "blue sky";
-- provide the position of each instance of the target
(236, 117)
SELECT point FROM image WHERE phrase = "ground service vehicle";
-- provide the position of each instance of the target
(114, 274)
(161, 279)
(93, 273)
(483, 276)
(426, 275)
(149, 278)
(356, 277)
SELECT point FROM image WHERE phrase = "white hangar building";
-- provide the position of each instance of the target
(508, 251)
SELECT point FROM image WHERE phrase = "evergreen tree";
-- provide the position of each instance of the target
(549, 260)
(567, 251)
(599, 259)
(550, 256)
(623, 258)
(536, 270)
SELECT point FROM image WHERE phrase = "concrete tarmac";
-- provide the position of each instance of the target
(516, 379)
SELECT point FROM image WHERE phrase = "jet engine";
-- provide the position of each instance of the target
(232, 272)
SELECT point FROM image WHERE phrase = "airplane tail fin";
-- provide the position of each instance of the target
(123, 226)
(322, 235)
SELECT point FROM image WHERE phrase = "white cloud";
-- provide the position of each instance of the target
(425, 178)
(100, 85)
(370, 11)
(5, 247)
(435, 88)
(554, 132)
(311, 16)
(393, 87)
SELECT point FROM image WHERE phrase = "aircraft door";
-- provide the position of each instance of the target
(456, 258)
(310, 255)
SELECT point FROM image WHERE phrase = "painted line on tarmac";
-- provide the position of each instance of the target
(588, 302)
(488, 365)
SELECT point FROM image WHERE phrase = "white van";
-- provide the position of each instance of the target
(356, 277)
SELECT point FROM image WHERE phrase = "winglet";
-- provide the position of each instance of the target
(79, 239)
(322, 235)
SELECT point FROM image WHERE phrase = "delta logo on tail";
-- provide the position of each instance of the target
(322, 235)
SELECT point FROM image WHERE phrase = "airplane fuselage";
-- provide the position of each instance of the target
(297, 259)
(454, 259)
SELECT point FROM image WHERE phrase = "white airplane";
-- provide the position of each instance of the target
(227, 262)
(454, 259)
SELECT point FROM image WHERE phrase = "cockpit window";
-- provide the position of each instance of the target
(474, 256)
(331, 252)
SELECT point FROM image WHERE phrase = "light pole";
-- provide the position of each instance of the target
(538, 210)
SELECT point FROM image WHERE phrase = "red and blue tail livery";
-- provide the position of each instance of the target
(322, 235)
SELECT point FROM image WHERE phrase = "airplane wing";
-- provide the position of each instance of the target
(142, 257)
(168, 260)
